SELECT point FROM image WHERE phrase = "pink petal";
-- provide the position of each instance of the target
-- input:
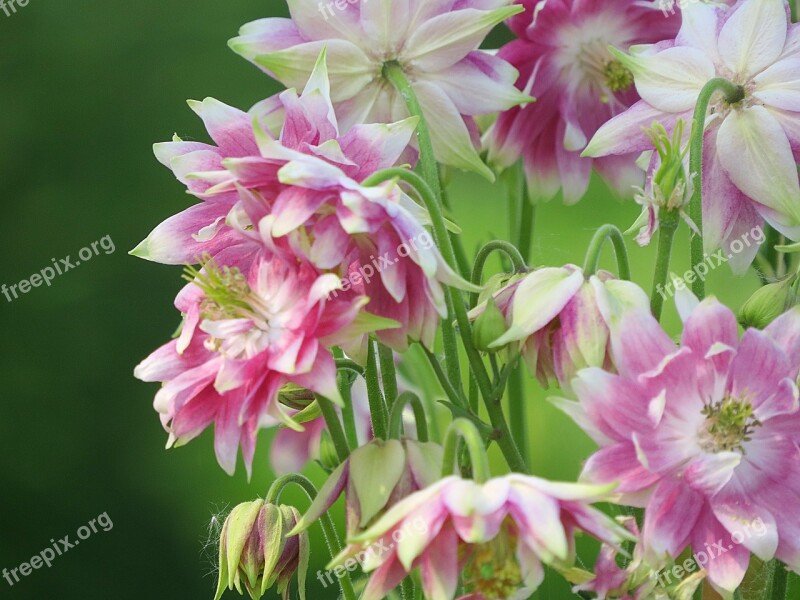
(670, 519)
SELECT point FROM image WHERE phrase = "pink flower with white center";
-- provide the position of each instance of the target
(496, 536)
(434, 42)
(563, 58)
(305, 124)
(243, 339)
(751, 146)
(552, 315)
(705, 435)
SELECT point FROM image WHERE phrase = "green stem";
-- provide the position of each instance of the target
(517, 410)
(780, 581)
(604, 234)
(668, 225)
(377, 405)
(345, 383)
(463, 429)
(396, 416)
(334, 428)
(328, 530)
(733, 94)
(483, 254)
(346, 363)
(427, 160)
(448, 388)
(407, 588)
(527, 223)
(478, 369)
(388, 374)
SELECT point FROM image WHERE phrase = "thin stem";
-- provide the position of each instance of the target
(345, 383)
(430, 169)
(485, 252)
(377, 405)
(346, 363)
(527, 222)
(407, 588)
(478, 369)
(668, 225)
(328, 530)
(517, 410)
(448, 388)
(388, 373)
(780, 582)
(396, 416)
(733, 94)
(465, 430)
(604, 234)
(334, 428)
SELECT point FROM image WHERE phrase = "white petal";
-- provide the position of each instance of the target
(671, 80)
(753, 37)
(699, 28)
(779, 85)
(755, 151)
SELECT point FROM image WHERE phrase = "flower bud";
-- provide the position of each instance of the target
(767, 304)
(328, 457)
(255, 550)
(489, 326)
(295, 397)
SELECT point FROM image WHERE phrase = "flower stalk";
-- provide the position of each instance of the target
(666, 237)
(614, 235)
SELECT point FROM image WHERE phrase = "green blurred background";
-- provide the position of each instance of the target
(86, 87)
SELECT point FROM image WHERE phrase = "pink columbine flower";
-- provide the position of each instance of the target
(749, 169)
(563, 58)
(243, 339)
(497, 535)
(705, 435)
(305, 124)
(552, 315)
(435, 42)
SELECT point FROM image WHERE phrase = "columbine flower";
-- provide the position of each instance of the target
(495, 535)
(305, 124)
(749, 170)
(254, 549)
(374, 478)
(243, 339)
(563, 57)
(705, 435)
(552, 315)
(434, 42)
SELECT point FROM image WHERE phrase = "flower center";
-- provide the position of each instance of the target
(729, 424)
(618, 77)
(492, 570)
(225, 291)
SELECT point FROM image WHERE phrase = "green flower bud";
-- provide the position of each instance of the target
(767, 304)
(255, 550)
(489, 326)
(328, 457)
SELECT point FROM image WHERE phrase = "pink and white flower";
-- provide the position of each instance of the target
(435, 42)
(552, 316)
(563, 58)
(751, 146)
(243, 339)
(497, 535)
(705, 435)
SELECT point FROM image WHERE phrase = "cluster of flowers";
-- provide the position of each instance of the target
(300, 194)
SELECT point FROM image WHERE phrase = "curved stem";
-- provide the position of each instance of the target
(346, 363)
(604, 234)
(483, 254)
(463, 429)
(377, 405)
(430, 170)
(668, 225)
(334, 427)
(733, 94)
(396, 416)
(328, 530)
(478, 369)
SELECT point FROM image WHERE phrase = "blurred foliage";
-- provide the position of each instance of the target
(87, 87)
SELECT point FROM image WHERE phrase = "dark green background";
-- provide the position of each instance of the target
(86, 87)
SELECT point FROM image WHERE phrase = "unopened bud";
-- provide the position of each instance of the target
(489, 326)
(767, 304)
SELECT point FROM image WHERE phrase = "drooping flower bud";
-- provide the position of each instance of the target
(490, 325)
(255, 550)
(767, 304)
(374, 478)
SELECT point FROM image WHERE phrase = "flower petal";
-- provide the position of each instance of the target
(753, 37)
